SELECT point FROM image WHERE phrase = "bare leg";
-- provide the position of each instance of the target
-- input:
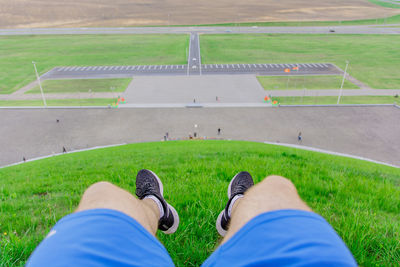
(104, 195)
(273, 193)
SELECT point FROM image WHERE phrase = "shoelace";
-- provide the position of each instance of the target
(240, 188)
(147, 187)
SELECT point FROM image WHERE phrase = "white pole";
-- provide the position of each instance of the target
(341, 87)
(40, 84)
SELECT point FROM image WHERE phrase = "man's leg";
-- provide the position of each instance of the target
(112, 227)
(104, 195)
(273, 193)
(269, 224)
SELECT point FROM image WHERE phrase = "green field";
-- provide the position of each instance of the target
(301, 82)
(18, 52)
(59, 102)
(332, 100)
(385, 3)
(374, 59)
(361, 200)
(82, 86)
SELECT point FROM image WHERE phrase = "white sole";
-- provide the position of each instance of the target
(230, 184)
(220, 230)
(174, 227)
(159, 183)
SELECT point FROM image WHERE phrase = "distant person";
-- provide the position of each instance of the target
(219, 131)
(194, 100)
(263, 225)
(24, 159)
(299, 138)
(64, 149)
(194, 134)
(167, 135)
(216, 98)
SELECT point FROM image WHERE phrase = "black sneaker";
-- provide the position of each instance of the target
(148, 183)
(237, 187)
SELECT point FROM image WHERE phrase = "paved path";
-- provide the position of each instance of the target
(194, 57)
(215, 90)
(362, 29)
(370, 132)
(335, 92)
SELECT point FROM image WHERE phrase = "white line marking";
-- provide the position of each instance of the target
(61, 69)
(54, 155)
(330, 153)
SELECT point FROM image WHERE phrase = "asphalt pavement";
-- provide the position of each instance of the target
(194, 67)
(370, 132)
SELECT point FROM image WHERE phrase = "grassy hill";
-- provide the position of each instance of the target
(360, 199)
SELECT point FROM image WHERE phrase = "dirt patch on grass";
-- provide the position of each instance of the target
(78, 13)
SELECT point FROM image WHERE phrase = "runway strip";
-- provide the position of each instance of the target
(193, 68)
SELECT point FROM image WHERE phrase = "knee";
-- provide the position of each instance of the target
(280, 182)
(99, 188)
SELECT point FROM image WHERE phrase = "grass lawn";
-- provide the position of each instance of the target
(386, 3)
(361, 200)
(301, 82)
(330, 100)
(387, 20)
(82, 86)
(59, 102)
(18, 52)
(374, 59)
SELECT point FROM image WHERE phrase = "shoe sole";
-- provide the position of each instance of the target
(230, 184)
(174, 227)
(221, 230)
(160, 185)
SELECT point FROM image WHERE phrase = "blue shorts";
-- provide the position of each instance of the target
(105, 237)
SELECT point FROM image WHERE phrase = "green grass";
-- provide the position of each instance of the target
(301, 82)
(59, 102)
(82, 86)
(384, 3)
(373, 58)
(331, 100)
(382, 21)
(18, 52)
(361, 200)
